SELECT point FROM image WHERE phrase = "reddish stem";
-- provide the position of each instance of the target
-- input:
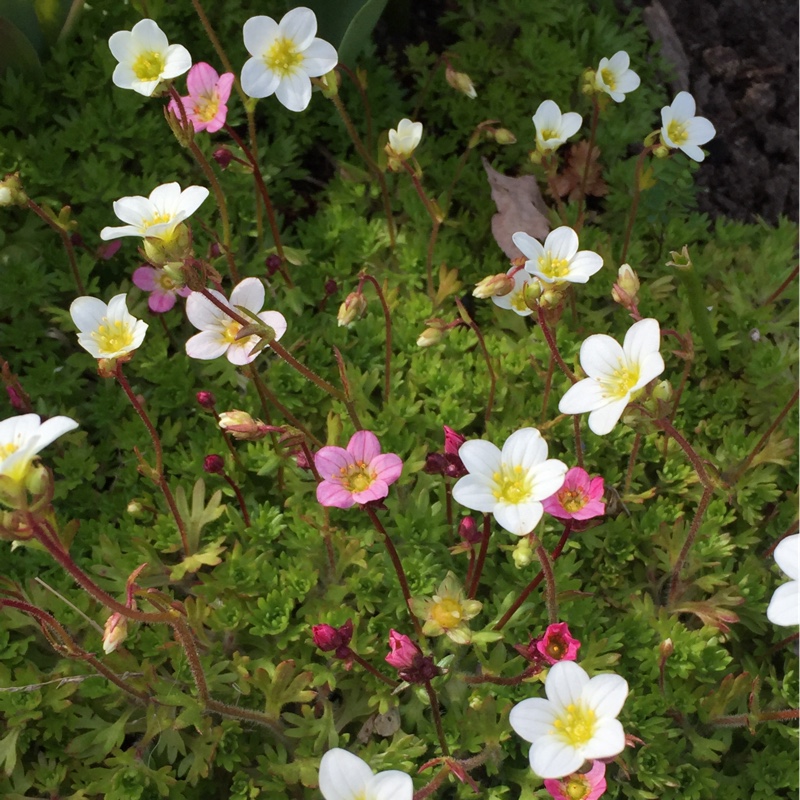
(476, 573)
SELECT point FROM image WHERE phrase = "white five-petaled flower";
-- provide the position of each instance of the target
(615, 373)
(784, 607)
(515, 299)
(615, 77)
(158, 215)
(558, 260)
(106, 331)
(404, 139)
(509, 483)
(22, 437)
(681, 129)
(218, 330)
(285, 56)
(576, 723)
(344, 776)
(552, 127)
(146, 58)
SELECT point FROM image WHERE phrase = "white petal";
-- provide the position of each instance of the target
(259, 33)
(642, 338)
(241, 351)
(601, 355)
(608, 740)
(787, 555)
(700, 130)
(206, 346)
(553, 758)
(343, 776)
(294, 91)
(257, 80)
(249, 294)
(628, 82)
(518, 518)
(603, 420)
(650, 368)
(86, 312)
(176, 61)
(562, 243)
(276, 321)
(606, 694)
(570, 124)
(319, 58)
(51, 429)
(784, 607)
(299, 25)
(548, 478)
(19, 429)
(474, 492)
(584, 265)
(619, 62)
(585, 395)
(530, 247)
(134, 210)
(683, 106)
(532, 718)
(391, 785)
(118, 310)
(547, 116)
(565, 683)
(203, 314)
(480, 457)
(191, 199)
(148, 36)
(524, 448)
(693, 151)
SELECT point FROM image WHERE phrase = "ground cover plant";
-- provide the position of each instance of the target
(387, 425)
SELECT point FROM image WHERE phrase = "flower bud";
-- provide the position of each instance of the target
(241, 425)
(531, 293)
(550, 297)
(329, 84)
(214, 464)
(115, 632)
(161, 252)
(523, 553)
(666, 648)
(223, 157)
(504, 136)
(328, 638)
(494, 286)
(452, 441)
(134, 508)
(11, 191)
(662, 151)
(430, 337)
(206, 399)
(468, 531)
(663, 392)
(273, 263)
(353, 308)
(626, 289)
(460, 81)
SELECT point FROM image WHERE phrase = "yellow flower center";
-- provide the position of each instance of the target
(165, 283)
(576, 789)
(576, 726)
(7, 449)
(447, 613)
(572, 499)
(231, 332)
(553, 267)
(621, 381)
(518, 300)
(206, 108)
(148, 66)
(283, 57)
(111, 337)
(511, 485)
(677, 132)
(548, 134)
(357, 477)
(609, 79)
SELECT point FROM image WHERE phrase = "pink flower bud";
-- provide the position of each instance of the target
(214, 464)
(468, 531)
(206, 399)
(223, 157)
(353, 308)
(114, 632)
(328, 638)
(403, 650)
(272, 263)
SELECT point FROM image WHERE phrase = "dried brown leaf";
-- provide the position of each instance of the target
(568, 182)
(520, 207)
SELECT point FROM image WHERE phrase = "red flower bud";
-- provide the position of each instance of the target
(206, 399)
(328, 638)
(214, 464)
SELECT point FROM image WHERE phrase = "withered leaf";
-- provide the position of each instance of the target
(520, 207)
(568, 182)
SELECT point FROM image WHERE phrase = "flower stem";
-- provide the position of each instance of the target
(687, 545)
(476, 572)
(740, 720)
(550, 164)
(691, 453)
(782, 288)
(65, 240)
(364, 101)
(436, 219)
(576, 427)
(387, 318)
(398, 567)
(585, 175)
(549, 583)
(486, 357)
(551, 343)
(239, 497)
(369, 668)
(437, 718)
(637, 441)
(637, 175)
(548, 382)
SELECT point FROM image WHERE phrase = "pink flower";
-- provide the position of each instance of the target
(403, 650)
(358, 474)
(328, 638)
(208, 93)
(578, 498)
(557, 644)
(161, 287)
(580, 785)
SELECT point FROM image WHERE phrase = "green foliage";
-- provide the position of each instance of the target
(251, 593)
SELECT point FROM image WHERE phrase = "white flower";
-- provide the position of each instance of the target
(554, 128)
(682, 129)
(156, 216)
(558, 260)
(515, 299)
(343, 776)
(22, 437)
(146, 58)
(404, 140)
(576, 723)
(106, 331)
(615, 373)
(784, 608)
(615, 78)
(285, 57)
(510, 483)
(218, 331)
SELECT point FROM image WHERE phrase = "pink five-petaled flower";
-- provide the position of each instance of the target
(558, 644)
(578, 498)
(161, 287)
(579, 785)
(205, 105)
(359, 473)
(408, 660)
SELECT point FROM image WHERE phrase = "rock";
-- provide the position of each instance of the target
(721, 62)
(758, 101)
(662, 32)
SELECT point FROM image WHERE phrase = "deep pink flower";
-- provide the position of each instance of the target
(358, 474)
(328, 638)
(580, 785)
(557, 644)
(208, 93)
(162, 288)
(403, 650)
(578, 498)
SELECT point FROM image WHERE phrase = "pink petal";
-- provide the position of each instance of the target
(364, 446)
(202, 80)
(594, 508)
(145, 278)
(387, 467)
(224, 86)
(160, 302)
(377, 490)
(334, 494)
(331, 460)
